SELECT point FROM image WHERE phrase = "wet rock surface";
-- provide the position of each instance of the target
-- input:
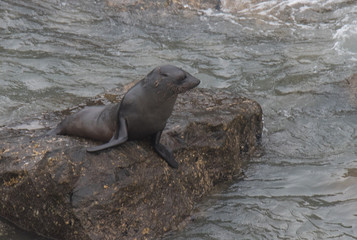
(352, 87)
(52, 186)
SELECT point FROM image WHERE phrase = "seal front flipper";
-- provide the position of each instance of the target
(165, 153)
(120, 136)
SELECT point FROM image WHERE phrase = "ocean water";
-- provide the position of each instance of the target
(293, 57)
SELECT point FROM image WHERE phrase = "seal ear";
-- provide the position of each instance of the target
(152, 76)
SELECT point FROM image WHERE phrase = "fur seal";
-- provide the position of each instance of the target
(142, 112)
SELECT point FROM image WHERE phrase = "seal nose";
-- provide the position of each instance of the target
(186, 84)
(193, 82)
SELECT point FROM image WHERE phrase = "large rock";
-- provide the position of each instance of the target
(52, 186)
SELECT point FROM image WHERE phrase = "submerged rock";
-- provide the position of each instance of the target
(352, 88)
(52, 186)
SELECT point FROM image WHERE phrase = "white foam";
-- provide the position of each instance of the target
(346, 38)
(273, 7)
(227, 16)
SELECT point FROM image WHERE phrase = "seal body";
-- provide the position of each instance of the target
(143, 112)
(96, 122)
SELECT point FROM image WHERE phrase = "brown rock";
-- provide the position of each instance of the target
(52, 186)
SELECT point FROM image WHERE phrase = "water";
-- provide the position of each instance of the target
(293, 57)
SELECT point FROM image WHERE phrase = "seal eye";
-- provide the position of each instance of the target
(164, 74)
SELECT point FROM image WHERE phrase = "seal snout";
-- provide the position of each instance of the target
(175, 79)
(190, 82)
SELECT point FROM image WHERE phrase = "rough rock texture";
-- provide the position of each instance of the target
(52, 186)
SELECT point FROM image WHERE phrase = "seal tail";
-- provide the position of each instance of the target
(52, 132)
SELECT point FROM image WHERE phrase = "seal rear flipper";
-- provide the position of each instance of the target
(53, 132)
(164, 152)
